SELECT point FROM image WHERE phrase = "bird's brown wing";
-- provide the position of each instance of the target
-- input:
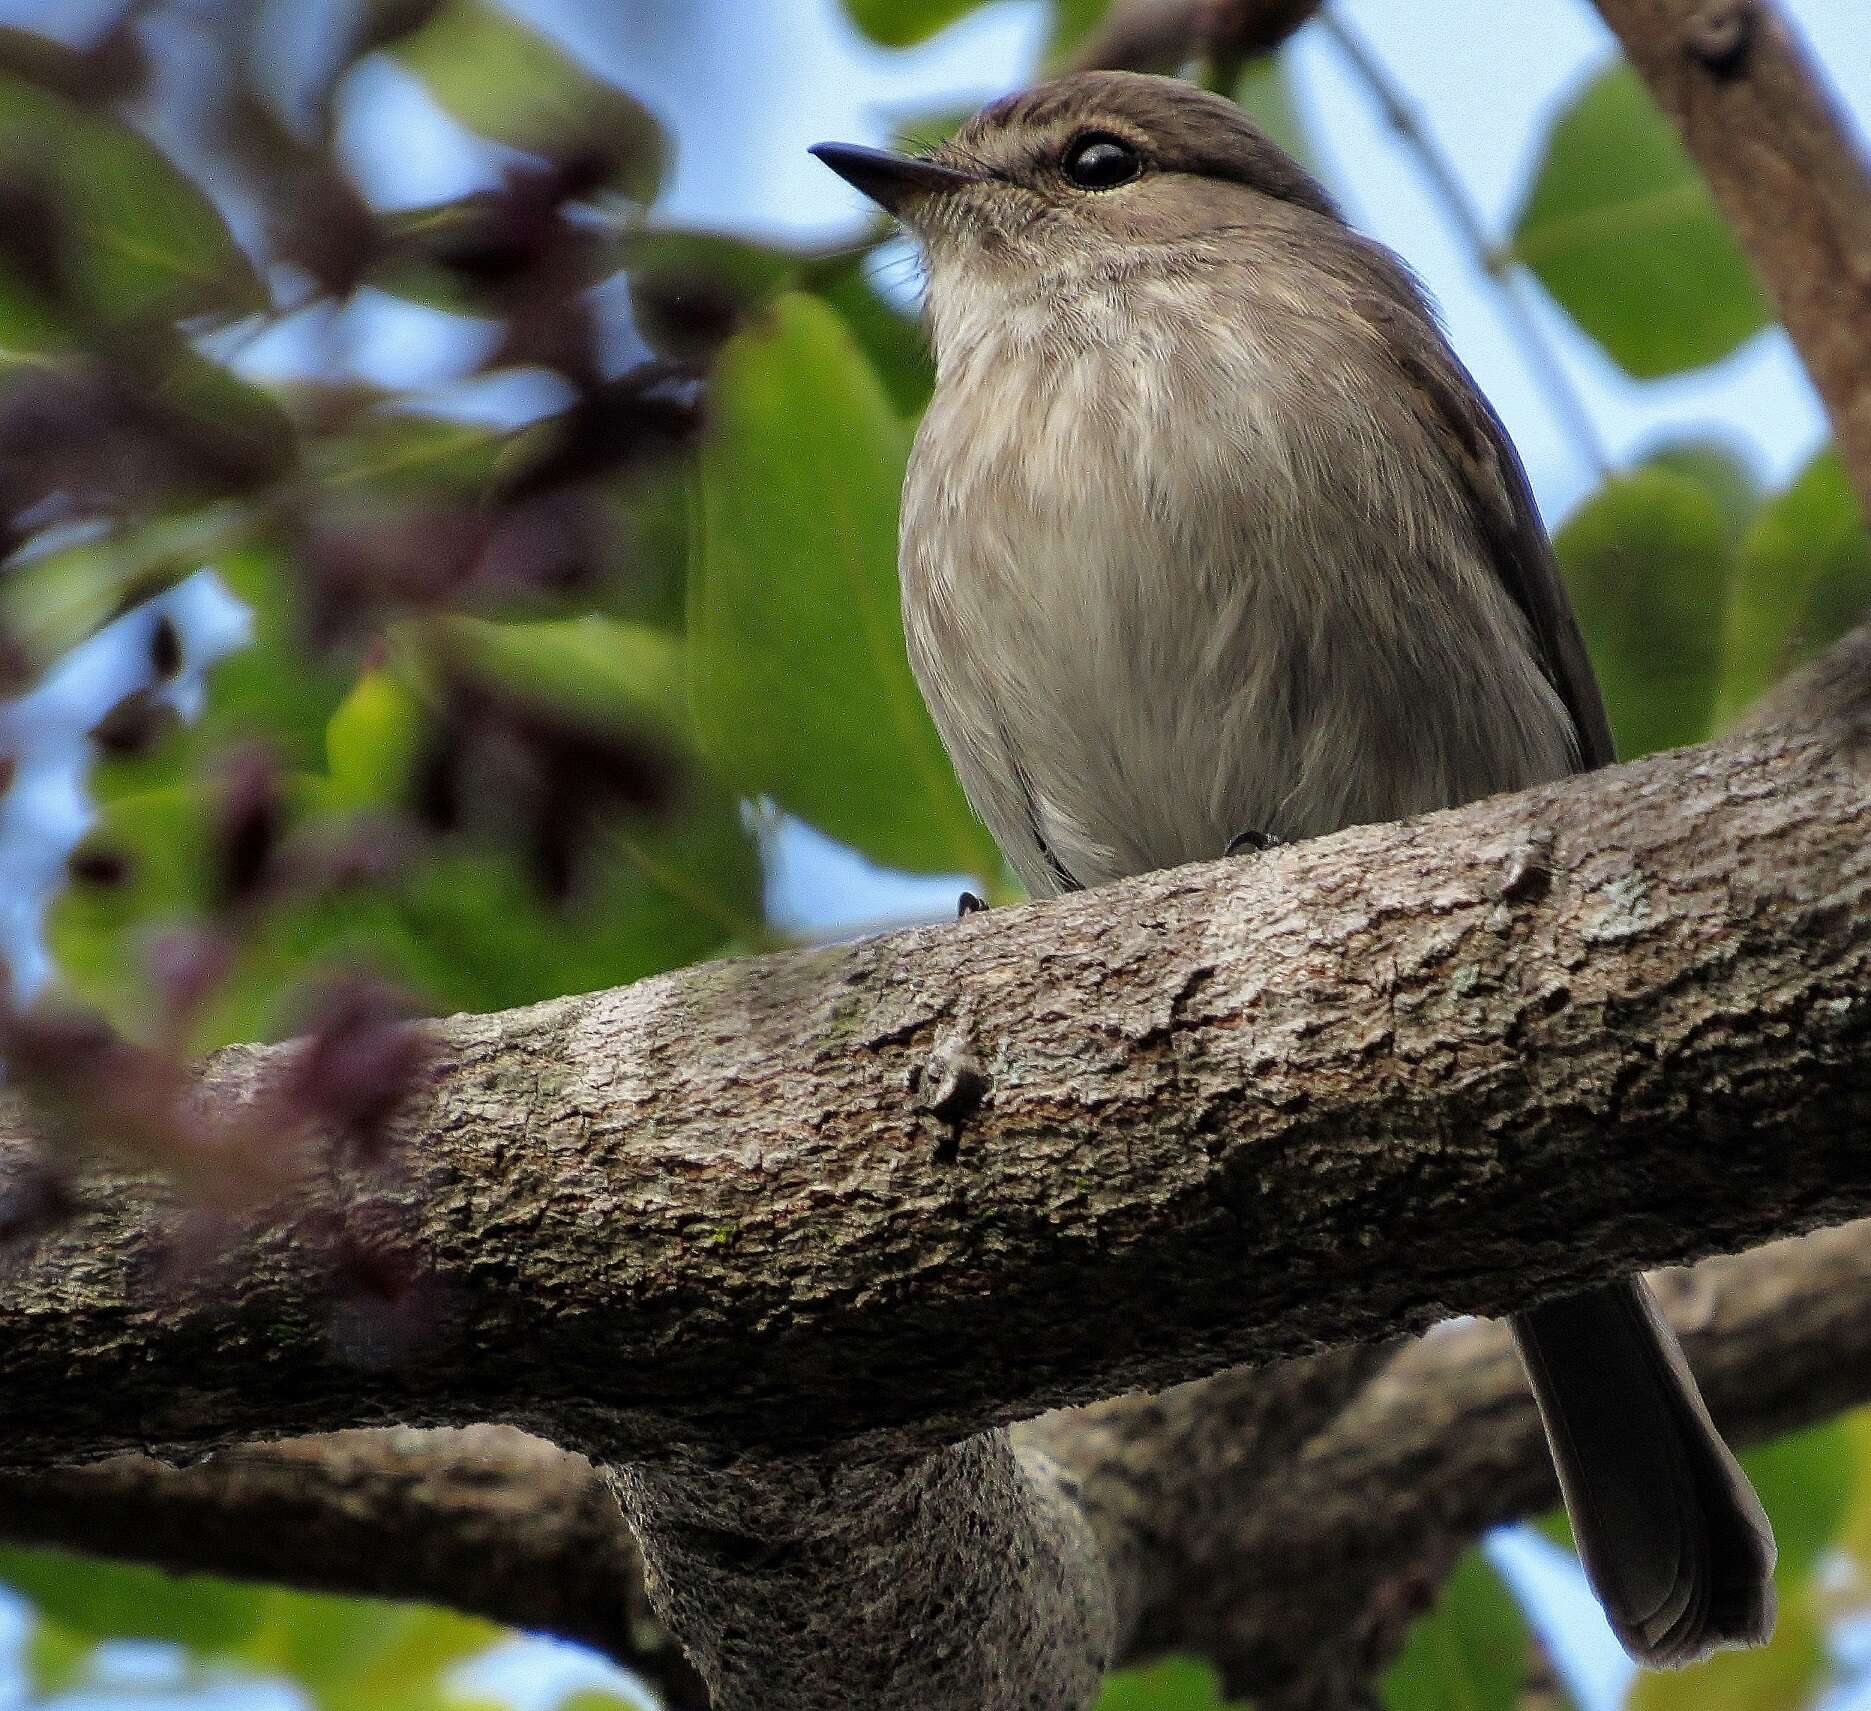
(1505, 516)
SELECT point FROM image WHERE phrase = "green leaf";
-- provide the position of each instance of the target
(513, 84)
(1646, 561)
(1855, 1529)
(1173, 1684)
(1803, 580)
(356, 1654)
(891, 339)
(1722, 472)
(373, 742)
(1470, 1653)
(390, 452)
(461, 923)
(605, 674)
(801, 686)
(141, 242)
(1784, 1675)
(107, 1600)
(55, 1658)
(100, 934)
(1622, 231)
(900, 23)
(476, 935)
(1805, 1481)
(465, 925)
(1072, 23)
(1265, 94)
(276, 688)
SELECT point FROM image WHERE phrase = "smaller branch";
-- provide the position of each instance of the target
(965, 1579)
(483, 1519)
(1780, 156)
(1287, 1522)
(1166, 35)
(1445, 184)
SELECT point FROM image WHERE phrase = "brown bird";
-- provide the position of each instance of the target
(1209, 539)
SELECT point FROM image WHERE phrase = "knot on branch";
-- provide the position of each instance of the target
(1721, 35)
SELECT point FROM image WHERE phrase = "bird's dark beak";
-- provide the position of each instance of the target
(890, 180)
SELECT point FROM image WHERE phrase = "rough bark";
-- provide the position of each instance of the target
(1224, 1515)
(484, 1519)
(1248, 1109)
(1784, 164)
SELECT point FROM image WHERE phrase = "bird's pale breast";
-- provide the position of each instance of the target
(1158, 594)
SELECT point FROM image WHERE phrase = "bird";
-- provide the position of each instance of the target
(1209, 542)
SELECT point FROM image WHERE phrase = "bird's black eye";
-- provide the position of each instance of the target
(1099, 161)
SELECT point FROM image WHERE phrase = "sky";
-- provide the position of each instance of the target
(1485, 79)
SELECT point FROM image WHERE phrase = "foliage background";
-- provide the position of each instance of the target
(549, 637)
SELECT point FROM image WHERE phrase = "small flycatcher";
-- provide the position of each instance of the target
(1209, 537)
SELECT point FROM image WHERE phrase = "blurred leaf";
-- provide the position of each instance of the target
(372, 742)
(801, 685)
(50, 601)
(421, 259)
(29, 320)
(1265, 94)
(891, 339)
(109, 1600)
(391, 451)
(1072, 22)
(55, 1658)
(1622, 231)
(605, 674)
(477, 936)
(1470, 1653)
(649, 516)
(355, 1654)
(1783, 1675)
(1719, 470)
(275, 688)
(920, 132)
(1174, 1684)
(1803, 580)
(899, 23)
(749, 276)
(101, 935)
(511, 83)
(465, 926)
(1647, 564)
(1855, 1529)
(344, 1654)
(673, 272)
(138, 241)
(1805, 1484)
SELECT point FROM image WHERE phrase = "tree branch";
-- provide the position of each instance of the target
(1166, 35)
(1286, 1523)
(1450, 1065)
(1780, 156)
(483, 1519)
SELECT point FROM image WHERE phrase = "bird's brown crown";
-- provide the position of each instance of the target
(1174, 126)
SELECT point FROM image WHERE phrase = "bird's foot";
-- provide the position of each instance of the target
(968, 904)
(1253, 843)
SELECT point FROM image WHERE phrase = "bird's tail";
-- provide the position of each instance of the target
(1670, 1532)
